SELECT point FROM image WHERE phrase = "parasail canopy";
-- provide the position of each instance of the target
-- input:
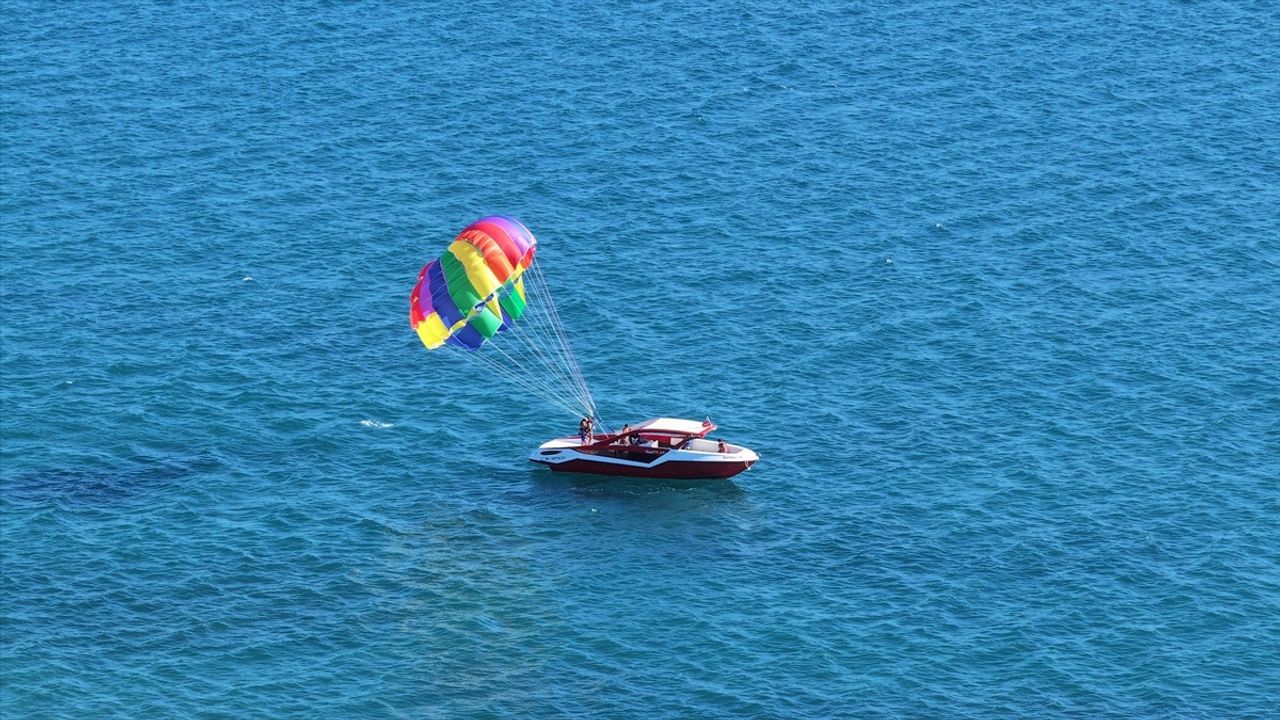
(486, 296)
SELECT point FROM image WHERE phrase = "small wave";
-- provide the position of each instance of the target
(376, 424)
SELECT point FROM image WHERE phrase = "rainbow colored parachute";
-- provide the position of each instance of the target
(474, 290)
(477, 290)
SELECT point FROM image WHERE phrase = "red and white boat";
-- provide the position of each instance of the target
(657, 448)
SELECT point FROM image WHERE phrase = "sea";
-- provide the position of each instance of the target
(992, 288)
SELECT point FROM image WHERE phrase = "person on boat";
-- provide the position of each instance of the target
(584, 430)
(724, 449)
(621, 438)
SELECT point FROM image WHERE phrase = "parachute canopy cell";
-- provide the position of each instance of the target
(475, 289)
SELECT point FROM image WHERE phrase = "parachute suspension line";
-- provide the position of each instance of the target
(566, 347)
(576, 371)
(522, 351)
(534, 344)
(547, 391)
(558, 326)
(505, 372)
(535, 337)
(539, 329)
(515, 355)
(523, 371)
(532, 348)
(528, 340)
(535, 329)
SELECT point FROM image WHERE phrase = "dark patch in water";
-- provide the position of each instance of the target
(93, 487)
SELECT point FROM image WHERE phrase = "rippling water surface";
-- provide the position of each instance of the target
(992, 290)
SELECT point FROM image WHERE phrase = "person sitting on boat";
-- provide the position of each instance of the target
(584, 430)
(624, 438)
(724, 449)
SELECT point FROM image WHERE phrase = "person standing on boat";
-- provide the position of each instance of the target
(584, 430)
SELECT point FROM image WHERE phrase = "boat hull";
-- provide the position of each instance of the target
(669, 448)
(672, 470)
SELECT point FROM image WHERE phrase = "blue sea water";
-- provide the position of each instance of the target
(992, 288)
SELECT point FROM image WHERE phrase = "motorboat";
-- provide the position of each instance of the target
(658, 448)
(485, 299)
